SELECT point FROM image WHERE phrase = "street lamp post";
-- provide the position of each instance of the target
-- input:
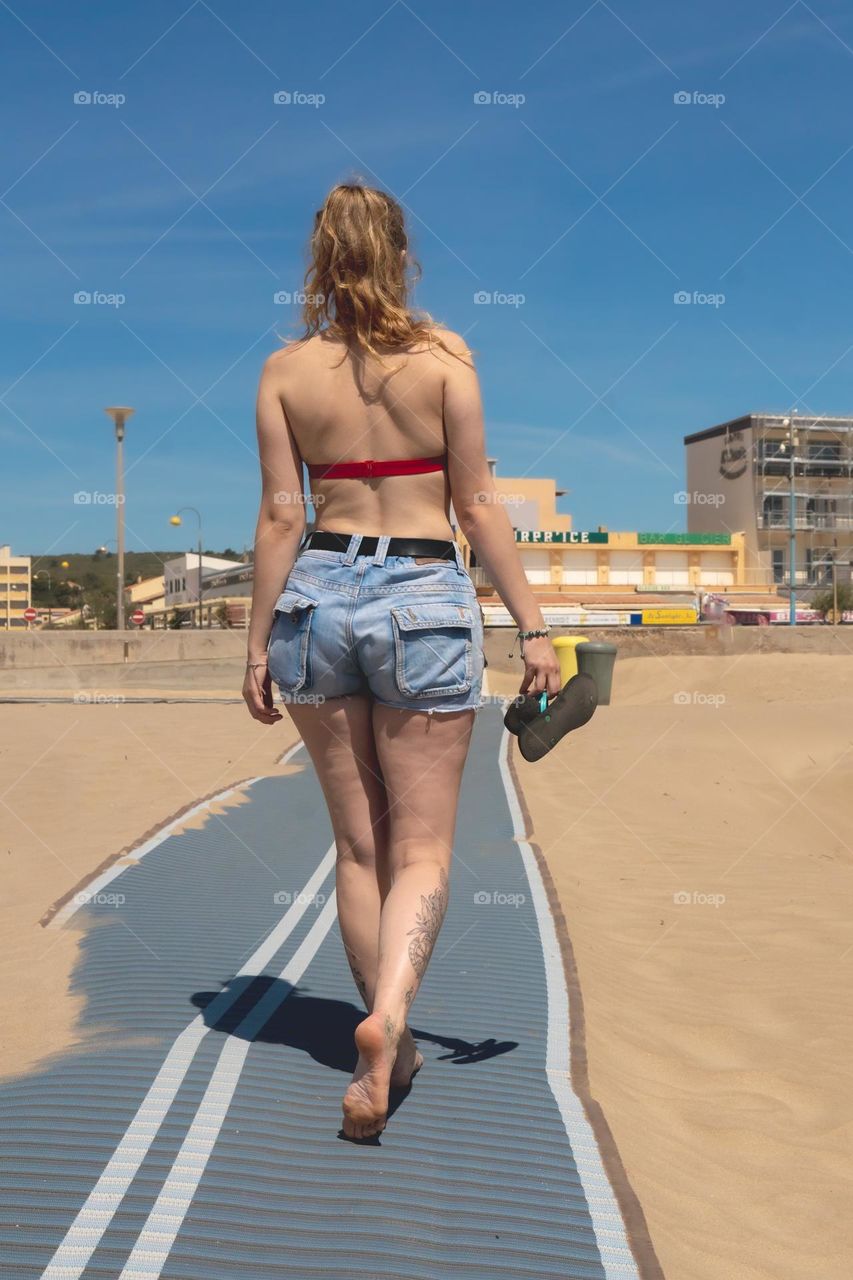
(176, 520)
(119, 415)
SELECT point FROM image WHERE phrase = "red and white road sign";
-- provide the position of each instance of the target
(137, 617)
(30, 614)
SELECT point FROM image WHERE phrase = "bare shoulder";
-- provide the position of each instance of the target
(451, 344)
(281, 364)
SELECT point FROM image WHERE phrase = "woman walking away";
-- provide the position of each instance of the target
(370, 624)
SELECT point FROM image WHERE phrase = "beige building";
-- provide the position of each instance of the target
(15, 589)
(561, 560)
(740, 475)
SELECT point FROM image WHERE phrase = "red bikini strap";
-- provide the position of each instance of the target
(371, 467)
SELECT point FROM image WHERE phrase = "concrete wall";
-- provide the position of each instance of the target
(214, 661)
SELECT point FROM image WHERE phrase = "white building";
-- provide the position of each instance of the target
(180, 576)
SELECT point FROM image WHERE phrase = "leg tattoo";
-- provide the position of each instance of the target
(429, 921)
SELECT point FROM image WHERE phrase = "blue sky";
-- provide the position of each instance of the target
(590, 204)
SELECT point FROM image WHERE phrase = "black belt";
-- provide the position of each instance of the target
(318, 541)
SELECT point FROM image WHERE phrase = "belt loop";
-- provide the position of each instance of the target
(460, 563)
(352, 549)
(381, 550)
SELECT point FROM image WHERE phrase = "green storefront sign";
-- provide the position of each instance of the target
(558, 535)
(692, 539)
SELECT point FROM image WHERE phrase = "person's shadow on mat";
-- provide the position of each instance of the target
(320, 1027)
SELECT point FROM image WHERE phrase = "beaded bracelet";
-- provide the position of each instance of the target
(527, 635)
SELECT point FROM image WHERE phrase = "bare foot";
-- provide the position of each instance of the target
(366, 1100)
(407, 1063)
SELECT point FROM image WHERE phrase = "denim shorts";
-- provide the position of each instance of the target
(408, 634)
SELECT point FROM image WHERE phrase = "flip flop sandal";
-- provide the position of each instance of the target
(572, 708)
(522, 710)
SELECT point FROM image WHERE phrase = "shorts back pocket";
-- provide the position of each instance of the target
(289, 654)
(432, 648)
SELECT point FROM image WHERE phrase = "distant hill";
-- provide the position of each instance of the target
(96, 573)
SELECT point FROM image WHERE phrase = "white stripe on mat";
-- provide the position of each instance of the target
(607, 1224)
(83, 1236)
(157, 1237)
(112, 873)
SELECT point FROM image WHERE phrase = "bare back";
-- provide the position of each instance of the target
(343, 407)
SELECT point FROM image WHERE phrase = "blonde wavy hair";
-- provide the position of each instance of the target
(360, 272)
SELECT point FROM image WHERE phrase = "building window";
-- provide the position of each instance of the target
(778, 554)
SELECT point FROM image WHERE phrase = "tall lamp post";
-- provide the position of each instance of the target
(793, 442)
(119, 415)
(176, 520)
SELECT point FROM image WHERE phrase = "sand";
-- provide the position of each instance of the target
(698, 832)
